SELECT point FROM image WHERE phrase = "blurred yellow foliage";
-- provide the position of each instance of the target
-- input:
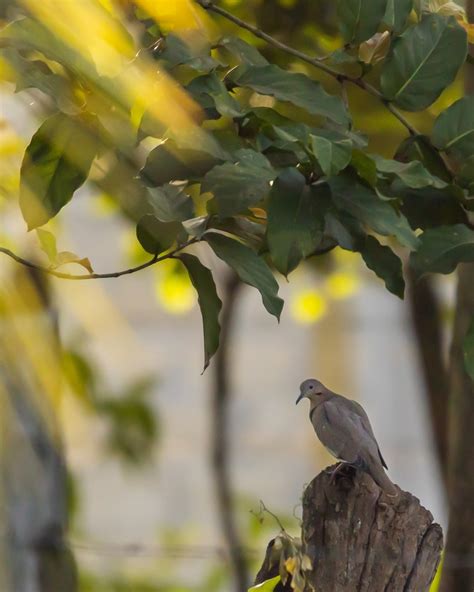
(178, 15)
(6, 71)
(91, 31)
(88, 28)
(308, 306)
(341, 284)
(173, 289)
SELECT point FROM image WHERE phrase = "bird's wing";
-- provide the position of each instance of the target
(366, 423)
(343, 433)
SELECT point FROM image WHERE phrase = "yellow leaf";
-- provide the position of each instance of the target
(375, 49)
(178, 15)
(48, 244)
(259, 213)
(267, 586)
(65, 257)
(291, 564)
(306, 563)
(447, 7)
(469, 27)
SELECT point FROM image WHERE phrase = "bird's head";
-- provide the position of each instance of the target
(311, 389)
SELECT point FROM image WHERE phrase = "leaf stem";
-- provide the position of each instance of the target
(314, 61)
(95, 276)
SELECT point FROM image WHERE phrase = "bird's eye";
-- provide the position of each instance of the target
(311, 387)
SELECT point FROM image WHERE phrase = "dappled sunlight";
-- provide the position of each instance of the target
(173, 289)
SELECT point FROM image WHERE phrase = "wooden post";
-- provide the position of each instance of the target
(361, 540)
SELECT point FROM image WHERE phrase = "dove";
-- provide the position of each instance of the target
(344, 429)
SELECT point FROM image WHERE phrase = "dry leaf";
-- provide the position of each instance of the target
(375, 49)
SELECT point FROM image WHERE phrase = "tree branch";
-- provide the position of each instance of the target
(314, 61)
(94, 276)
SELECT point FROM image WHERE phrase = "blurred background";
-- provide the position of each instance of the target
(114, 366)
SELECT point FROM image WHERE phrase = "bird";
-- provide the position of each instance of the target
(344, 429)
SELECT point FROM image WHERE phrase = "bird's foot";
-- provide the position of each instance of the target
(343, 469)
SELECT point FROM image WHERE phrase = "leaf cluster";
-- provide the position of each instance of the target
(263, 186)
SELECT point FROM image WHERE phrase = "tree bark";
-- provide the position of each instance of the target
(361, 540)
(220, 437)
(458, 566)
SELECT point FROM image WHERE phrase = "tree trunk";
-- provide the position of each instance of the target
(220, 437)
(458, 567)
(33, 511)
(428, 331)
(361, 540)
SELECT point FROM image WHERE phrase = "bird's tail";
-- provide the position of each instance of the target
(380, 477)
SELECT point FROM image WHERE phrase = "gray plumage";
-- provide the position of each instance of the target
(343, 427)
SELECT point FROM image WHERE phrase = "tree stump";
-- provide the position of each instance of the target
(360, 540)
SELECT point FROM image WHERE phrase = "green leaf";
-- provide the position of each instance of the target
(360, 19)
(156, 236)
(247, 230)
(211, 86)
(465, 177)
(333, 151)
(268, 586)
(362, 203)
(56, 163)
(423, 62)
(48, 243)
(245, 52)
(237, 186)
(413, 174)
(344, 229)
(251, 269)
(425, 208)
(196, 226)
(468, 349)
(295, 221)
(453, 131)
(209, 303)
(442, 248)
(167, 162)
(397, 14)
(296, 88)
(37, 74)
(195, 55)
(364, 166)
(170, 203)
(383, 262)
(420, 148)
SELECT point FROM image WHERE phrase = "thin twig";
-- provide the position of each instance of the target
(94, 276)
(263, 508)
(314, 61)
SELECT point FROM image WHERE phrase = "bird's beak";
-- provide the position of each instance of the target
(301, 396)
